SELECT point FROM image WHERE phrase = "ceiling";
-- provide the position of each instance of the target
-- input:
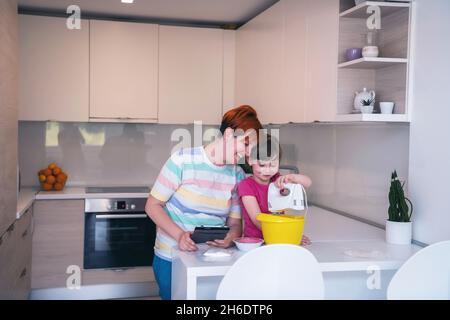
(231, 13)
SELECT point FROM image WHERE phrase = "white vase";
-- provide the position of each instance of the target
(398, 232)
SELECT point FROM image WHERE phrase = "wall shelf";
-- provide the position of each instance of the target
(360, 11)
(371, 63)
(372, 117)
(387, 75)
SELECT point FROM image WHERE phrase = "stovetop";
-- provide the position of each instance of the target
(117, 190)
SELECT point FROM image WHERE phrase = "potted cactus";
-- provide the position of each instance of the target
(398, 225)
(367, 105)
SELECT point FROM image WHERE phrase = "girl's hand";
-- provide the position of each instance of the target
(293, 178)
(282, 180)
(306, 241)
(185, 243)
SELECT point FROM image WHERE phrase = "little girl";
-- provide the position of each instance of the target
(264, 160)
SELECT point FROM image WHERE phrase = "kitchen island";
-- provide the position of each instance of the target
(355, 260)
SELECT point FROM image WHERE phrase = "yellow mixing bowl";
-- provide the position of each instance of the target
(277, 228)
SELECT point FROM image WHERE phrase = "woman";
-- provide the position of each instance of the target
(198, 186)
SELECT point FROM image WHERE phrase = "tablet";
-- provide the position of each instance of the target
(204, 234)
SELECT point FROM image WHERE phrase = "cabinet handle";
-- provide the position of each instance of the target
(23, 273)
(11, 228)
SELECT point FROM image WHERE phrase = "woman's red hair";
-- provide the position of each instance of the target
(243, 117)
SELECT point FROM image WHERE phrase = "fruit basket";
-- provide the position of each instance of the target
(52, 178)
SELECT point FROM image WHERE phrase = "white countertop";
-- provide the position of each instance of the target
(29, 194)
(338, 243)
(80, 193)
(25, 200)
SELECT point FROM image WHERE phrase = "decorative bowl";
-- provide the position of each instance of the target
(247, 243)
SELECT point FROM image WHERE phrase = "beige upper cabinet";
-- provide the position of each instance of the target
(123, 70)
(286, 62)
(260, 65)
(190, 75)
(322, 46)
(54, 70)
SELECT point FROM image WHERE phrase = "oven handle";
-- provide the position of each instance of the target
(120, 216)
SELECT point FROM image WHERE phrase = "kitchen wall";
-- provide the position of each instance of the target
(350, 164)
(430, 130)
(99, 153)
(8, 112)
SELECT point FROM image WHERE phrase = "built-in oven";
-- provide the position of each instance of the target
(118, 234)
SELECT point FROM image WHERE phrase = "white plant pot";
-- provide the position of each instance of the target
(398, 232)
(370, 52)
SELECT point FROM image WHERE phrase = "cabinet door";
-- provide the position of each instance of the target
(124, 70)
(54, 70)
(15, 256)
(190, 75)
(57, 241)
(260, 64)
(321, 71)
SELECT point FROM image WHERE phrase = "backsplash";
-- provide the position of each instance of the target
(349, 164)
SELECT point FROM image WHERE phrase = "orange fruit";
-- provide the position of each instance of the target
(42, 178)
(51, 179)
(52, 166)
(47, 186)
(56, 171)
(61, 178)
(58, 186)
(41, 172)
(47, 172)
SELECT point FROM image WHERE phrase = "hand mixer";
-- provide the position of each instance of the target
(292, 197)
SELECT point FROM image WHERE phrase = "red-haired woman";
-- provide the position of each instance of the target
(197, 186)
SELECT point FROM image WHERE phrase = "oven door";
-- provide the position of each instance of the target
(113, 240)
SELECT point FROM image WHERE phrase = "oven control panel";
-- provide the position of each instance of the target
(115, 205)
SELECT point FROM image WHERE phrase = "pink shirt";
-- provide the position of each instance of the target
(249, 187)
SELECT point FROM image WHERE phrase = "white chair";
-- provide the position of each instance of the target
(278, 271)
(426, 275)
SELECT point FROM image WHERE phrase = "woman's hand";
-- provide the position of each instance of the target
(306, 241)
(293, 178)
(185, 243)
(234, 233)
(225, 243)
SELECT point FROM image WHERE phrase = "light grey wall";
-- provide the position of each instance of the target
(98, 153)
(350, 164)
(8, 113)
(430, 130)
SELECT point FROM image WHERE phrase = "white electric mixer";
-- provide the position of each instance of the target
(291, 198)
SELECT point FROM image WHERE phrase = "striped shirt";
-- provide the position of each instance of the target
(196, 193)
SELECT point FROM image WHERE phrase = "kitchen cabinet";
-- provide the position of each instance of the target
(123, 70)
(259, 66)
(286, 61)
(8, 113)
(54, 70)
(58, 242)
(15, 254)
(322, 57)
(190, 75)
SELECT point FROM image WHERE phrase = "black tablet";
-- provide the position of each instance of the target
(204, 234)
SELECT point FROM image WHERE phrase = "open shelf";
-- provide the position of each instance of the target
(387, 8)
(372, 117)
(371, 63)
